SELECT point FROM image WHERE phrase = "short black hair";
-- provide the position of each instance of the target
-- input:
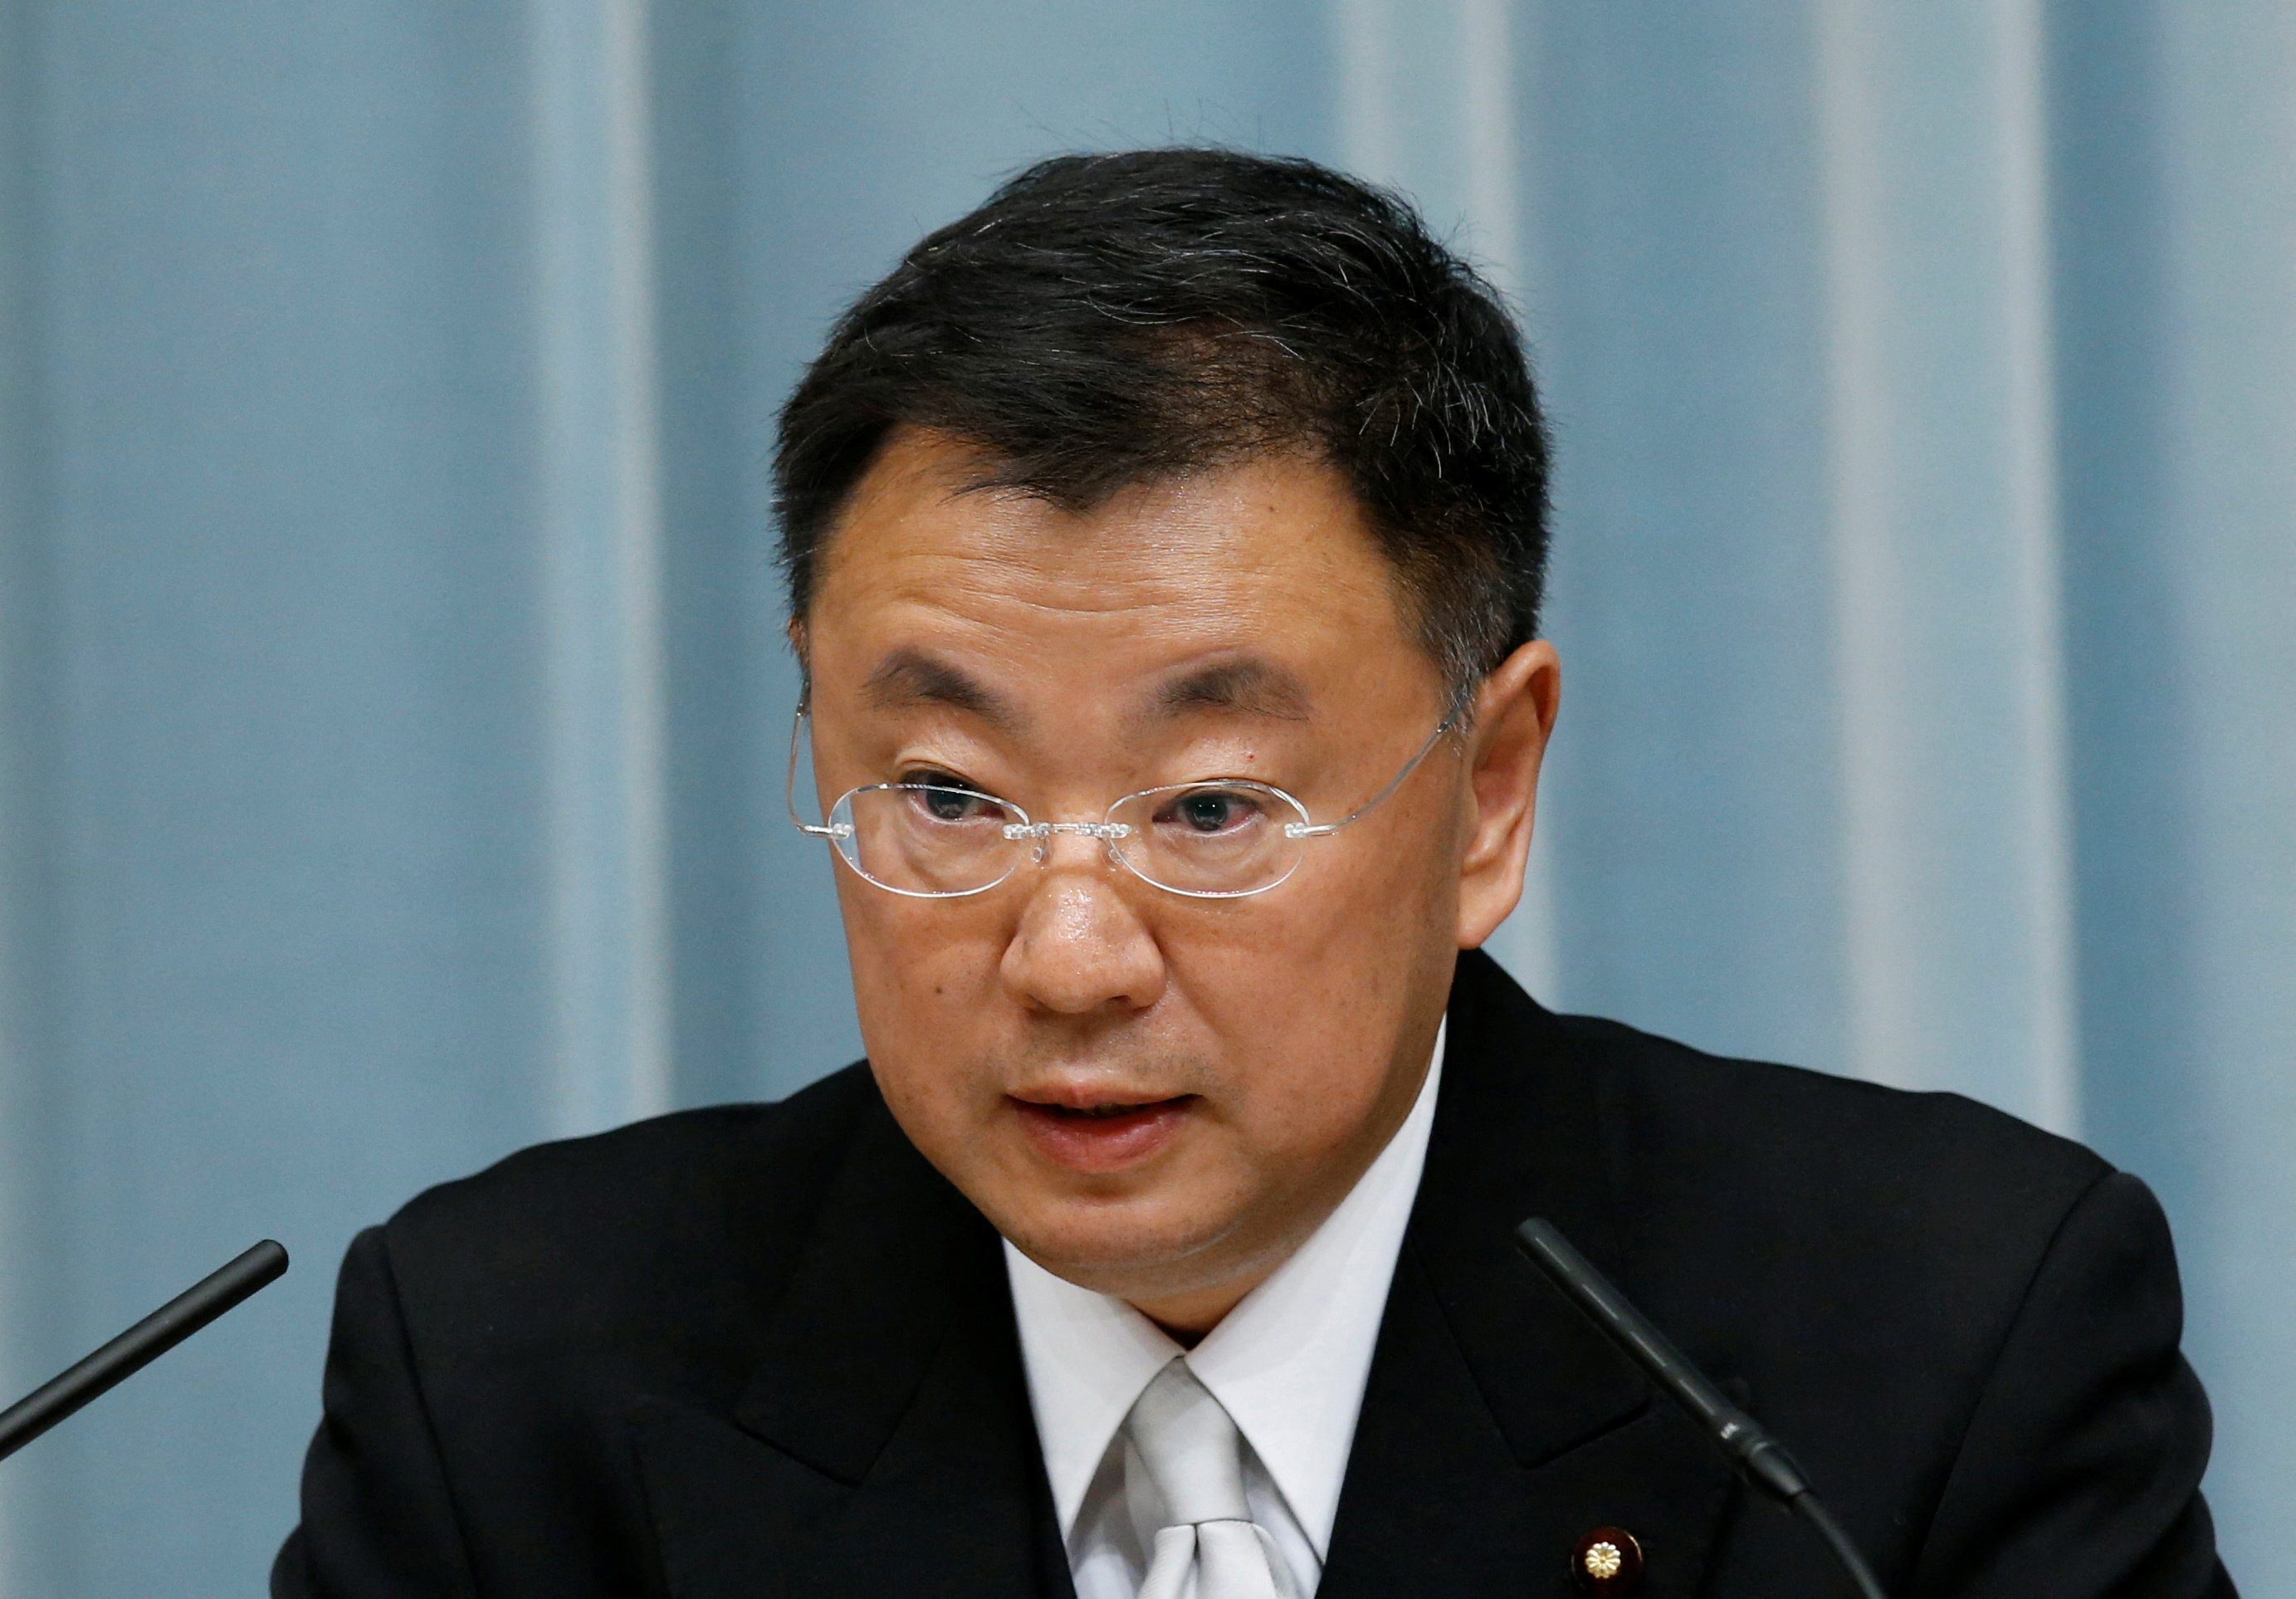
(1108, 320)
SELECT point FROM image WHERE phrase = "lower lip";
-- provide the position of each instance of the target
(1097, 1143)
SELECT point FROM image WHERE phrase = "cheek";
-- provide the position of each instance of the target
(919, 974)
(928, 1036)
(1306, 1018)
(1320, 1104)
(1340, 955)
(1307, 1005)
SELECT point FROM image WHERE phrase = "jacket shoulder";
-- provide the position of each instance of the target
(1794, 1114)
(601, 1228)
(1818, 1139)
(1837, 1243)
(1664, 1106)
(1954, 1317)
(1778, 1215)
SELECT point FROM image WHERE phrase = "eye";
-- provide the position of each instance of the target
(1208, 812)
(947, 805)
(947, 798)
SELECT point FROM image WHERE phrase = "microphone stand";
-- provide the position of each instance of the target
(1758, 1458)
(140, 1345)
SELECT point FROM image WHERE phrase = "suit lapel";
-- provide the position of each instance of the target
(884, 1443)
(1498, 1426)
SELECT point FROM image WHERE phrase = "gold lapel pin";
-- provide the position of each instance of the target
(1608, 1561)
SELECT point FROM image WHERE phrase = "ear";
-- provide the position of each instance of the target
(1514, 713)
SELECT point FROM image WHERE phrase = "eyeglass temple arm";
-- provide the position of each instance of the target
(788, 786)
(1325, 829)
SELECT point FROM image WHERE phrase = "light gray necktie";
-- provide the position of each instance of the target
(1209, 1547)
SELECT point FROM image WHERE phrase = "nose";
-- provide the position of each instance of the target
(1079, 946)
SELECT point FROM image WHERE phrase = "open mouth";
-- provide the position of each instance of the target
(1105, 1136)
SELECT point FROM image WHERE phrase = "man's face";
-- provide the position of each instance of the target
(1152, 1095)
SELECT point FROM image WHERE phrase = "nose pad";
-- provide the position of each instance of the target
(1040, 851)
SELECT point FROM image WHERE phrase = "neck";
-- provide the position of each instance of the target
(1186, 1317)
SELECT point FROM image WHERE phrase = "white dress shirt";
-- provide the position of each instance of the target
(1289, 1363)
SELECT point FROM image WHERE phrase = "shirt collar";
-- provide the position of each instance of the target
(1276, 1360)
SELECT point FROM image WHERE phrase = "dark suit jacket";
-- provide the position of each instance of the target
(766, 1350)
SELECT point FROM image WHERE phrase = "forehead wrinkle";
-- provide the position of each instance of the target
(1251, 686)
(908, 676)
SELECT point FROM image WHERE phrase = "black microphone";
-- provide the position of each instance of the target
(140, 1345)
(1759, 1458)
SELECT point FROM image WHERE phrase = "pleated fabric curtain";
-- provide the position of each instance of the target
(392, 691)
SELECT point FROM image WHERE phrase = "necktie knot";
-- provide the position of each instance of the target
(1209, 1546)
(1190, 1448)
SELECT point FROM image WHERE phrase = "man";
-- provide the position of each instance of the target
(1165, 544)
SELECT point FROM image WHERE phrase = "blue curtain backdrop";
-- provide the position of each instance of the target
(392, 697)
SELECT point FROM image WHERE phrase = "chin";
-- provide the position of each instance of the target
(1133, 1247)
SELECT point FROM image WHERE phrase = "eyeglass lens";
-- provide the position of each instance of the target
(1203, 839)
(929, 841)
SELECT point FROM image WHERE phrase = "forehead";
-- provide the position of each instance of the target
(1257, 572)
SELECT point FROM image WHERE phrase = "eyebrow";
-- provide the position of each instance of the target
(910, 677)
(1251, 686)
